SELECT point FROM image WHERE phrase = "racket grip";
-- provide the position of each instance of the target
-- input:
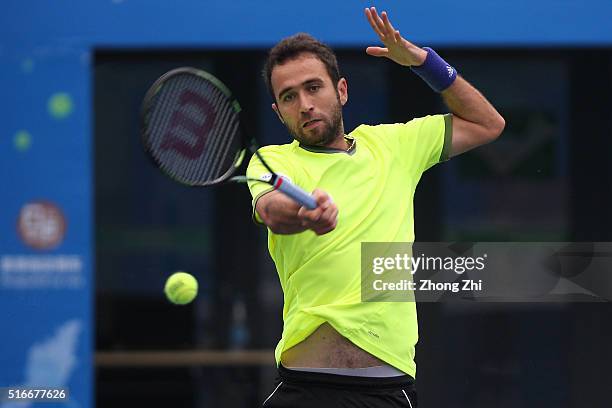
(296, 193)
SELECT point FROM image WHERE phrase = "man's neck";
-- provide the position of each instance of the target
(339, 143)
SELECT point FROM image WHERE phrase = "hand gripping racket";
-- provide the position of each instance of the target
(192, 130)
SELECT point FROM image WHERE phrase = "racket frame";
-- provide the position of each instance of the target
(251, 144)
(144, 114)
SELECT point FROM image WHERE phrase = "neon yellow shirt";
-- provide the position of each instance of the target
(373, 185)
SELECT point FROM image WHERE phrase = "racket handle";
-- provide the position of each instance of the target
(296, 193)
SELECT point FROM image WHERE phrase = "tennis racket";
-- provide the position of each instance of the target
(191, 128)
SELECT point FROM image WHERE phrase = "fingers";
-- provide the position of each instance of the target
(309, 217)
(375, 21)
(377, 51)
(322, 198)
(322, 219)
(389, 30)
(398, 36)
(327, 222)
(382, 25)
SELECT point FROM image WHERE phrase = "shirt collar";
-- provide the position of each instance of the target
(322, 149)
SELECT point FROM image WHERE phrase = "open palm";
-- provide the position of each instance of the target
(396, 47)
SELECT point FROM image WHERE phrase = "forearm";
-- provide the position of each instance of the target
(467, 103)
(475, 120)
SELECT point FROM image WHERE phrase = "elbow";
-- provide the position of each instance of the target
(496, 128)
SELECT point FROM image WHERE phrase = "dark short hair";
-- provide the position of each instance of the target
(292, 47)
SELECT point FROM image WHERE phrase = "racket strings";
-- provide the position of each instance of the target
(210, 157)
(192, 169)
(162, 117)
(224, 149)
(193, 130)
(216, 163)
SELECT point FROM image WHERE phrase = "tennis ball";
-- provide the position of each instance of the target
(181, 288)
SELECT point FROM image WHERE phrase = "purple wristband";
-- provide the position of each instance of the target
(438, 74)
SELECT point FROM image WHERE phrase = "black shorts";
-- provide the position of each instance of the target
(300, 389)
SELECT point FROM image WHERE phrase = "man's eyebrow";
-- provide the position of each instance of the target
(305, 83)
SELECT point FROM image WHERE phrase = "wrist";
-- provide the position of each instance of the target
(436, 72)
(422, 57)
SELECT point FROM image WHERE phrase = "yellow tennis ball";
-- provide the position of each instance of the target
(181, 288)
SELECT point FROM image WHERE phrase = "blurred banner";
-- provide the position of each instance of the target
(45, 226)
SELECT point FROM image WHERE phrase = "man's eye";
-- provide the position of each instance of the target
(288, 98)
(314, 88)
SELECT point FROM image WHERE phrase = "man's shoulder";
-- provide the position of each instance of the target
(412, 125)
(277, 148)
(365, 128)
(276, 154)
(376, 129)
(365, 131)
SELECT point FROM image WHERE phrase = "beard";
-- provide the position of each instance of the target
(330, 129)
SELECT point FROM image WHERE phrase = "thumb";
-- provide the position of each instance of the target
(377, 51)
(321, 197)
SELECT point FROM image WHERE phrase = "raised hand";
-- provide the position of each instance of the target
(396, 47)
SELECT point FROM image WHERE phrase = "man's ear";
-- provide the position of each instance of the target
(275, 109)
(343, 90)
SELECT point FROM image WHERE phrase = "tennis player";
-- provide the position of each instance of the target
(335, 350)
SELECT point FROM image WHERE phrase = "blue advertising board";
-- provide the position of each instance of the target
(45, 226)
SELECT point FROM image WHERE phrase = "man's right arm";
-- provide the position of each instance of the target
(284, 216)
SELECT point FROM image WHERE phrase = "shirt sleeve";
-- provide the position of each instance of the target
(425, 141)
(256, 170)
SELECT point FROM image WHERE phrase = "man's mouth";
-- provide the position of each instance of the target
(310, 123)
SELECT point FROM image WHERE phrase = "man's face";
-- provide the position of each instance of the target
(308, 103)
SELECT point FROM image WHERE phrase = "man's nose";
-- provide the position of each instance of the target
(306, 104)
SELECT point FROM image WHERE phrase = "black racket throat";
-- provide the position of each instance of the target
(274, 176)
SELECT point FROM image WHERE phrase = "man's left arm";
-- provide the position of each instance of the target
(475, 120)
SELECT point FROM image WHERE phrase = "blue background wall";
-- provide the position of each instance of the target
(246, 23)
